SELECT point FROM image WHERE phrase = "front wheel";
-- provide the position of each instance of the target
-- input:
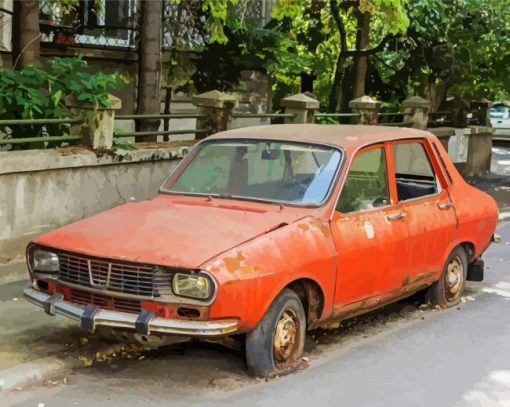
(447, 291)
(278, 340)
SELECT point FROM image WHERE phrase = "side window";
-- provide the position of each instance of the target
(413, 171)
(366, 185)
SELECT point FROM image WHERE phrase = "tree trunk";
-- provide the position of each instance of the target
(335, 93)
(26, 36)
(436, 93)
(360, 64)
(149, 66)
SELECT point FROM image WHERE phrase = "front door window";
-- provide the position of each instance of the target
(366, 185)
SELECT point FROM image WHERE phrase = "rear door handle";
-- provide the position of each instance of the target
(396, 216)
(445, 205)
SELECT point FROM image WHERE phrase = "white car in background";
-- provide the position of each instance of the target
(500, 119)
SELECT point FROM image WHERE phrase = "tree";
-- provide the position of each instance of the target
(26, 36)
(390, 10)
(460, 47)
(336, 34)
(149, 64)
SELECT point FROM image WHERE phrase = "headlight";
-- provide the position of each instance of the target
(188, 285)
(43, 261)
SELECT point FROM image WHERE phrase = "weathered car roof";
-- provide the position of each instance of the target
(344, 135)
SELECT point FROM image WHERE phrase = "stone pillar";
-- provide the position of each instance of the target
(98, 122)
(417, 111)
(217, 108)
(302, 106)
(367, 107)
(479, 151)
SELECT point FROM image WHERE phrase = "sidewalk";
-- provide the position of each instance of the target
(34, 345)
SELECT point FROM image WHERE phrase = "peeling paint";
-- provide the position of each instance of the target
(369, 229)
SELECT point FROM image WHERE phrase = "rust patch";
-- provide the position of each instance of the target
(233, 263)
(304, 227)
(411, 280)
(315, 224)
(314, 302)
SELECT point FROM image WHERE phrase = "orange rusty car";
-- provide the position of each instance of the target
(263, 233)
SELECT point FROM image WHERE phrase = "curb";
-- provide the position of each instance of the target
(32, 372)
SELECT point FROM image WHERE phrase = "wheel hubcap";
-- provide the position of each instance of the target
(454, 278)
(285, 338)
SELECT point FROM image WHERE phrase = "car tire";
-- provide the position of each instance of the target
(277, 343)
(447, 291)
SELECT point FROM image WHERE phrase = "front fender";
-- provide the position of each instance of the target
(251, 275)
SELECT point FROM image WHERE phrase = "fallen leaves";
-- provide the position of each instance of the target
(124, 351)
(466, 298)
(85, 361)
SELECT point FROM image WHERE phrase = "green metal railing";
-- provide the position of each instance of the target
(336, 115)
(263, 115)
(159, 116)
(124, 134)
(159, 133)
(37, 139)
(398, 124)
(385, 115)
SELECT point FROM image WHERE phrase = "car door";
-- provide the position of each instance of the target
(422, 194)
(368, 231)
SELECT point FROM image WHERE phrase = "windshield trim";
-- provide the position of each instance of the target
(184, 163)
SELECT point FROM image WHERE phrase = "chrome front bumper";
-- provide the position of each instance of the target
(143, 323)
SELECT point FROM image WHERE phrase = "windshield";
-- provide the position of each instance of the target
(296, 173)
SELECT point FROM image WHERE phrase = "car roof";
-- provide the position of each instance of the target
(349, 137)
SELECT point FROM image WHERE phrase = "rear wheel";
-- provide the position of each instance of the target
(447, 291)
(278, 340)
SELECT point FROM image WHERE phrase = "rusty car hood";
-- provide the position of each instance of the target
(170, 230)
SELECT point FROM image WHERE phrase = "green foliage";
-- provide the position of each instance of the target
(39, 93)
(218, 11)
(463, 43)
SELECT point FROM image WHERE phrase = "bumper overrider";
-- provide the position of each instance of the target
(145, 323)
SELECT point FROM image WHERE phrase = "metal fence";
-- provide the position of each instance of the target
(118, 134)
(113, 27)
(115, 24)
(12, 132)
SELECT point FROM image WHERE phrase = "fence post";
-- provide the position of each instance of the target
(96, 131)
(417, 111)
(367, 107)
(302, 106)
(217, 108)
(479, 150)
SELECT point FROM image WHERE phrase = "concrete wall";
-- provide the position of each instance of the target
(44, 189)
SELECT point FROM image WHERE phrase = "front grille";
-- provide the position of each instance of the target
(122, 277)
(102, 301)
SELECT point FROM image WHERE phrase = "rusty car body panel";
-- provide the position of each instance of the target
(341, 264)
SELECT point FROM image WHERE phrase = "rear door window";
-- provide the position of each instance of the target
(414, 173)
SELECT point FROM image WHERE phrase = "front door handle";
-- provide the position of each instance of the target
(396, 216)
(445, 205)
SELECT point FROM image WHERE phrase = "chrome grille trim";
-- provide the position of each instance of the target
(140, 280)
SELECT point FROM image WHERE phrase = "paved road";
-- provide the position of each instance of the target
(398, 357)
